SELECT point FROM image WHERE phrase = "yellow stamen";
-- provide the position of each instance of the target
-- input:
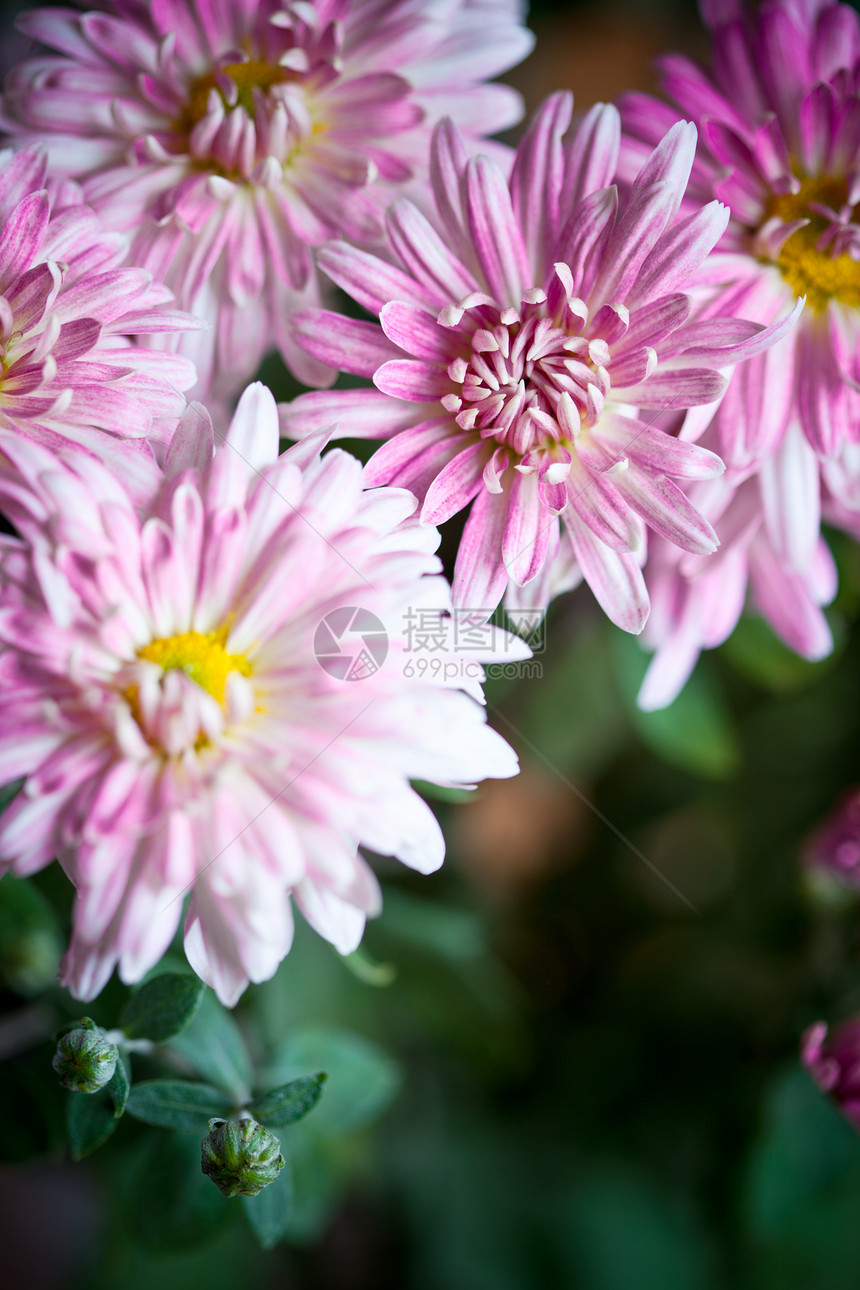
(818, 275)
(255, 74)
(201, 656)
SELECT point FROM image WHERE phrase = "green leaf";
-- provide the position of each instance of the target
(177, 1104)
(573, 716)
(269, 1212)
(755, 651)
(30, 941)
(362, 1079)
(214, 1046)
(366, 969)
(290, 1102)
(694, 732)
(90, 1120)
(441, 793)
(617, 1227)
(118, 1088)
(172, 1205)
(455, 934)
(162, 1008)
(805, 1149)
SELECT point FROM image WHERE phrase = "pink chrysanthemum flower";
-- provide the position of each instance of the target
(229, 139)
(696, 603)
(526, 339)
(68, 368)
(177, 731)
(832, 855)
(778, 111)
(833, 1061)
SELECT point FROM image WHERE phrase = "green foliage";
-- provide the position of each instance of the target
(805, 1150)
(30, 941)
(269, 1213)
(213, 1045)
(614, 1229)
(90, 1121)
(755, 651)
(119, 1087)
(366, 969)
(91, 1118)
(440, 793)
(571, 714)
(289, 1103)
(696, 731)
(177, 1104)
(802, 1193)
(171, 1204)
(162, 1007)
(362, 1079)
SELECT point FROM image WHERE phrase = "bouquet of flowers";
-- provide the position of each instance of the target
(243, 669)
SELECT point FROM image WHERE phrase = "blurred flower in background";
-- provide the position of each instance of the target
(833, 852)
(833, 1061)
(777, 109)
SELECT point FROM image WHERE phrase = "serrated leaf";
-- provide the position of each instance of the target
(214, 1046)
(162, 1007)
(177, 1104)
(90, 1120)
(290, 1102)
(269, 1212)
(118, 1088)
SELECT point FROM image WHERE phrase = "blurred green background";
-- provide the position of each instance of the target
(570, 1058)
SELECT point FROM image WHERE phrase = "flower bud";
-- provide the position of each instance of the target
(85, 1059)
(834, 1064)
(240, 1156)
(833, 854)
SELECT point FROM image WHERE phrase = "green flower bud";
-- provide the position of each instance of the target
(85, 1059)
(240, 1156)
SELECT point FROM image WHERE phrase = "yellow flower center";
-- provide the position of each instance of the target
(255, 74)
(201, 656)
(809, 272)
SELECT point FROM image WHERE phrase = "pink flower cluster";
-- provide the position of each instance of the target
(230, 139)
(209, 697)
(778, 113)
(627, 351)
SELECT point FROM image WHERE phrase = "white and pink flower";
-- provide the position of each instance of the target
(527, 339)
(164, 699)
(229, 140)
(779, 117)
(696, 602)
(778, 111)
(68, 317)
